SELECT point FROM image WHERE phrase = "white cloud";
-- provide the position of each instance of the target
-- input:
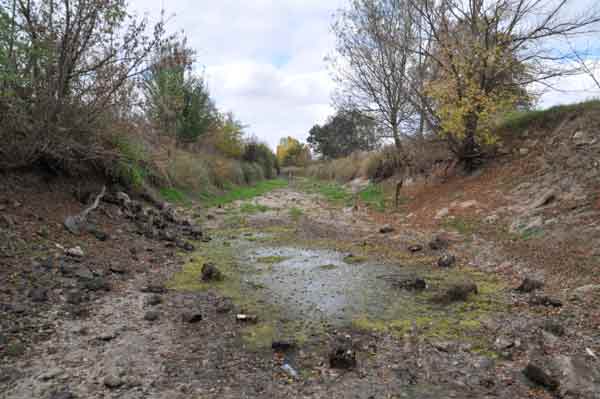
(264, 59)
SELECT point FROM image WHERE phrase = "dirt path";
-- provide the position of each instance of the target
(312, 278)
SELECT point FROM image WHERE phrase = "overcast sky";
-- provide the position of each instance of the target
(264, 59)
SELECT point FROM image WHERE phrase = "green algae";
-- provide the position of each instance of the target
(272, 260)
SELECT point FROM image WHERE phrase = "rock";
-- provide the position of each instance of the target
(6, 222)
(537, 375)
(38, 295)
(186, 246)
(446, 260)
(282, 346)
(100, 235)
(468, 204)
(553, 327)
(224, 306)
(579, 377)
(64, 394)
(544, 199)
(166, 235)
(51, 374)
(442, 213)
(587, 290)
(289, 370)
(211, 273)
(196, 232)
(417, 284)
(545, 301)
(117, 268)
(523, 151)
(151, 315)
(583, 138)
(492, 219)
(75, 252)
(122, 198)
(342, 358)
(386, 229)
(153, 300)
(75, 297)
(97, 284)
(439, 242)
(415, 248)
(113, 382)
(457, 292)
(529, 285)
(246, 318)
(108, 335)
(154, 288)
(191, 317)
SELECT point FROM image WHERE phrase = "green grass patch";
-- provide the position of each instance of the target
(515, 123)
(295, 213)
(331, 191)
(173, 195)
(250, 208)
(373, 196)
(237, 193)
(462, 225)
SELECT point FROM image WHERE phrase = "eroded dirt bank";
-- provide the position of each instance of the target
(309, 278)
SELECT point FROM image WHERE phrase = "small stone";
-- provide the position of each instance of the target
(553, 327)
(282, 346)
(154, 288)
(117, 268)
(151, 315)
(439, 242)
(386, 229)
(113, 382)
(415, 248)
(211, 273)
(442, 213)
(191, 317)
(457, 292)
(545, 301)
(64, 394)
(246, 318)
(97, 284)
(417, 284)
(524, 151)
(342, 358)
(75, 252)
(537, 375)
(75, 297)
(38, 295)
(51, 374)
(529, 285)
(107, 336)
(153, 300)
(447, 260)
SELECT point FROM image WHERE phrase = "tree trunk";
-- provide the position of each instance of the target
(396, 133)
(470, 152)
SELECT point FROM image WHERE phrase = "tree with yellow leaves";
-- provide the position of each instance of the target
(291, 152)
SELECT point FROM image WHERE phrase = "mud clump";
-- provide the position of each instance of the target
(343, 358)
(457, 293)
(210, 272)
(537, 375)
(529, 285)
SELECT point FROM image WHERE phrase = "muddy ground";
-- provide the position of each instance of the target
(300, 279)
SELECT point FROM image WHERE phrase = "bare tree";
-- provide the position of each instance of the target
(70, 63)
(374, 38)
(486, 54)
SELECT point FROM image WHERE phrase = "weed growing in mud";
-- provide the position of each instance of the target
(251, 209)
(373, 196)
(296, 213)
(462, 225)
(173, 195)
(331, 191)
